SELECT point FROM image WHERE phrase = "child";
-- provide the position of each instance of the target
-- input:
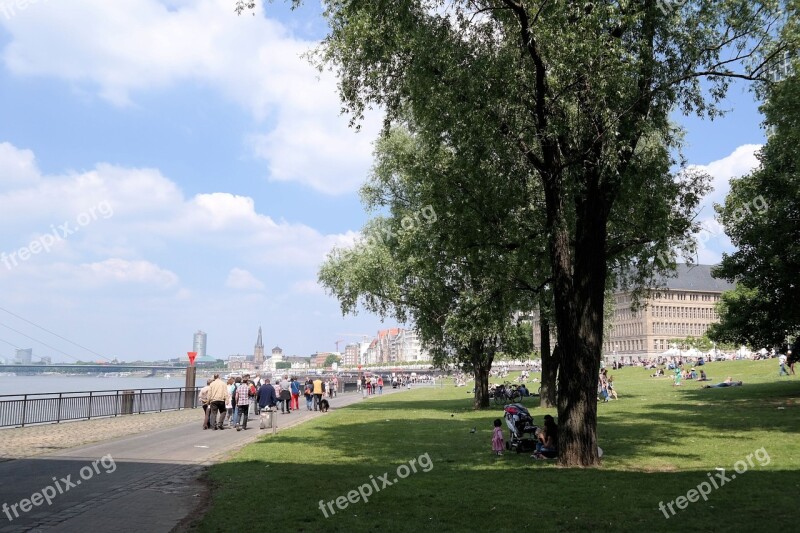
(497, 437)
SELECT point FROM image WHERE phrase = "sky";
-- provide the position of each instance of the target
(167, 166)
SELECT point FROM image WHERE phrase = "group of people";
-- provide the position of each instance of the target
(232, 400)
(546, 439)
(605, 387)
(370, 385)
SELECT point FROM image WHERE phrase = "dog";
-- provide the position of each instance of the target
(324, 405)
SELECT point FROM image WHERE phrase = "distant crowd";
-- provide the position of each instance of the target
(235, 399)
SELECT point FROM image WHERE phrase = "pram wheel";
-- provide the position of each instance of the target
(508, 445)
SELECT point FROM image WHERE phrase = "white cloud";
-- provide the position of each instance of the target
(740, 162)
(121, 48)
(712, 240)
(17, 167)
(121, 271)
(139, 212)
(243, 280)
(309, 286)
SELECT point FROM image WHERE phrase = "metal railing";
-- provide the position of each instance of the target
(19, 410)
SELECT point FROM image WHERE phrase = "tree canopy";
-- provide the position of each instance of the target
(762, 218)
(573, 99)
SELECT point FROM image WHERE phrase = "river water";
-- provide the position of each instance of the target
(56, 383)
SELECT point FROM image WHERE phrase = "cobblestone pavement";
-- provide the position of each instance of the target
(32, 441)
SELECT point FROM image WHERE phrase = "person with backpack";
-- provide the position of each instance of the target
(295, 388)
(308, 392)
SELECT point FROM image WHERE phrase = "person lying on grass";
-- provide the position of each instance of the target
(727, 383)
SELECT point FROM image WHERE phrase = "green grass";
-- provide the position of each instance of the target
(659, 443)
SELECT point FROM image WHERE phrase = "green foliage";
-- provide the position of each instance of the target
(332, 359)
(760, 215)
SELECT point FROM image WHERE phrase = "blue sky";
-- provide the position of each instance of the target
(207, 170)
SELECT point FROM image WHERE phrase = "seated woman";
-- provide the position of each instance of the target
(727, 383)
(547, 447)
(703, 376)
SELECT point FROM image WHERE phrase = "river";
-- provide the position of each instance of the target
(56, 383)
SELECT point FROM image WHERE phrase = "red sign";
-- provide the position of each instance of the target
(192, 356)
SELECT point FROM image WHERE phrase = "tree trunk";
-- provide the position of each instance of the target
(550, 362)
(579, 274)
(481, 364)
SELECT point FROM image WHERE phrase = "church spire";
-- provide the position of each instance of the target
(259, 342)
(258, 353)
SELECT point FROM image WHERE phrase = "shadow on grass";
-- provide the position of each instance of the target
(303, 497)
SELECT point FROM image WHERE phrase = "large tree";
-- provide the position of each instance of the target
(762, 218)
(440, 256)
(583, 92)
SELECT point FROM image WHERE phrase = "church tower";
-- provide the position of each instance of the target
(258, 354)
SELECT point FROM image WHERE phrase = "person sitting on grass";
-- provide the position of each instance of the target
(547, 447)
(703, 376)
(727, 383)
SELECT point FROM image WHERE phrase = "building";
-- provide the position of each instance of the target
(686, 307)
(409, 347)
(352, 353)
(681, 306)
(258, 351)
(24, 356)
(199, 344)
(238, 363)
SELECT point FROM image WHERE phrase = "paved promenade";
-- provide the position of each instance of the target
(134, 473)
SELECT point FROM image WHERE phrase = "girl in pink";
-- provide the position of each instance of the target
(497, 437)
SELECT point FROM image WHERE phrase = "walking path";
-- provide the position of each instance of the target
(144, 481)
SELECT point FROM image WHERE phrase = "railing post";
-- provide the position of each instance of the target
(160, 399)
(24, 408)
(140, 401)
(116, 403)
(58, 418)
(90, 405)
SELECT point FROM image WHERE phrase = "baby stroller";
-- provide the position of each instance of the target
(520, 423)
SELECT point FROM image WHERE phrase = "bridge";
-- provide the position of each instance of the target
(86, 369)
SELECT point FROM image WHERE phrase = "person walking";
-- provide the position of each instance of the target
(295, 388)
(266, 397)
(308, 392)
(380, 385)
(317, 393)
(203, 399)
(284, 397)
(217, 393)
(243, 404)
(782, 365)
(237, 382)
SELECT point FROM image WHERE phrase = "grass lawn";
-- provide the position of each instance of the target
(660, 442)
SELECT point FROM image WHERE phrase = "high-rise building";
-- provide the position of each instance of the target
(24, 356)
(199, 344)
(258, 353)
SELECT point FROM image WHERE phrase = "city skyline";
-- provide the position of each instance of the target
(147, 194)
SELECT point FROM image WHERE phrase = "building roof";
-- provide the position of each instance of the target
(694, 278)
